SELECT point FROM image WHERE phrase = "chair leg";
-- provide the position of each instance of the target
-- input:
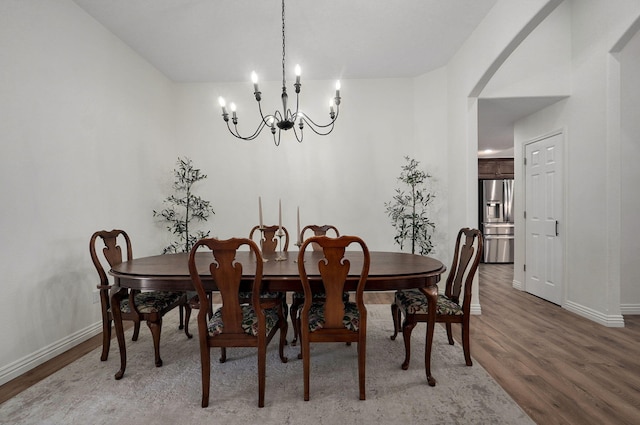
(306, 364)
(449, 333)
(223, 354)
(293, 312)
(284, 328)
(136, 330)
(300, 354)
(155, 328)
(407, 328)
(262, 371)
(396, 315)
(205, 361)
(181, 309)
(106, 339)
(362, 358)
(465, 343)
(187, 309)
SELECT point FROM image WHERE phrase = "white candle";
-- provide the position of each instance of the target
(279, 214)
(260, 211)
(299, 235)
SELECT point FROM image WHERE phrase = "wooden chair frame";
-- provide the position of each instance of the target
(463, 269)
(113, 254)
(227, 274)
(333, 270)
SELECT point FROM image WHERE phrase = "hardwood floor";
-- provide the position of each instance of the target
(559, 367)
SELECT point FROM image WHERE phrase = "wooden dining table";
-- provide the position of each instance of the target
(389, 271)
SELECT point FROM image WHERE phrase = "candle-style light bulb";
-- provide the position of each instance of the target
(298, 71)
(224, 109)
(233, 110)
(331, 103)
(254, 80)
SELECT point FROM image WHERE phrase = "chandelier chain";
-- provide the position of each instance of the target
(283, 49)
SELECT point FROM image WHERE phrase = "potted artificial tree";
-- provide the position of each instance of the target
(184, 207)
(408, 209)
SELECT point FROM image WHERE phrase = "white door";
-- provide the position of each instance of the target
(543, 213)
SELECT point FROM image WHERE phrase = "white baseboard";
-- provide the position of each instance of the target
(25, 364)
(517, 285)
(476, 309)
(629, 309)
(608, 320)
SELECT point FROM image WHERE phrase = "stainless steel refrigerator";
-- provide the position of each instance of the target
(496, 215)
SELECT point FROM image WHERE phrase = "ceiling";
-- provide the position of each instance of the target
(223, 41)
(496, 118)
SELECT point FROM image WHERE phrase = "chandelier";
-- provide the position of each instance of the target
(285, 120)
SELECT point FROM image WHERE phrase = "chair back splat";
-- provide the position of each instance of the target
(298, 297)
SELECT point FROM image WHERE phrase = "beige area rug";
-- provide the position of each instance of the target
(85, 392)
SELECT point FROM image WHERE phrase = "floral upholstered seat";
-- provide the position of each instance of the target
(246, 295)
(413, 301)
(249, 320)
(151, 302)
(351, 318)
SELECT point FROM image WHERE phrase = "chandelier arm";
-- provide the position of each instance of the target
(264, 118)
(276, 142)
(299, 139)
(236, 133)
(314, 124)
(321, 133)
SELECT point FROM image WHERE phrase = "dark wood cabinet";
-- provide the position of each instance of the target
(495, 168)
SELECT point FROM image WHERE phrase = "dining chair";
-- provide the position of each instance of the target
(269, 243)
(333, 320)
(136, 306)
(297, 298)
(235, 324)
(451, 308)
(268, 238)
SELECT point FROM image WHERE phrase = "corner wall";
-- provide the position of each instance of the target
(85, 124)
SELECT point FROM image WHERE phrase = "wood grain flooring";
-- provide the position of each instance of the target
(559, 367)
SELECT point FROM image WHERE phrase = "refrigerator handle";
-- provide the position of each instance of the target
(557, 233)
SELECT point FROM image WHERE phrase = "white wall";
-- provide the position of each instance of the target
(593, 278)
(630, 177)
(85, 124)
(342, 179)
(590, 119)
(540, 65)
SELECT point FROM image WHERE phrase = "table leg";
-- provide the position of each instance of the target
(431, 293)
(117, 322)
